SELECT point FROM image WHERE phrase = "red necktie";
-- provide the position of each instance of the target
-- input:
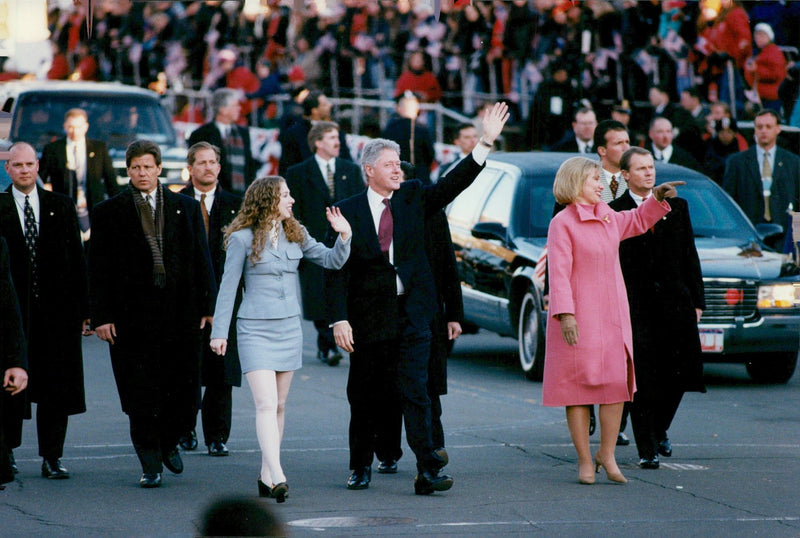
(614, 185)
(386, 227)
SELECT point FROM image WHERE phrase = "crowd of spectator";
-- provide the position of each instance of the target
(539, 55)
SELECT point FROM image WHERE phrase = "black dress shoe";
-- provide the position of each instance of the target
(280, 492)
(387, 467)
(427, 482)
(263, 489)
(622, 439)
(322, 356)
(649, 463)
(188, 441)
(359, 479)
(12, 463)
(334, 357)
(441, 456)
(217, 448)
(150, 480)
(172, 460)
(665, 448)
(54, 470)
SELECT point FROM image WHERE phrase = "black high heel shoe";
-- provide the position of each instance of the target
(263, 489)
(280, 492)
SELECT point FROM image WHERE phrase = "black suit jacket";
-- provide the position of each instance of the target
(665, 285)
(53, 322)
(101, 178)
(311, 196)
(208, 132)
(364, 291)
(742, 180)
(223, 210)
(147, 318)
(12, 350)
(679, 156)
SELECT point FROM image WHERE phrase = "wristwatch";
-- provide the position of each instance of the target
(483, 142)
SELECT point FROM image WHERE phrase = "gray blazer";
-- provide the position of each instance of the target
(270, 286)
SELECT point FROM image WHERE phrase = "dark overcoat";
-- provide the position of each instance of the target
(664, 282)
(311, 196)
(156, 354)
(209, 132)
(53, 323)
(216, 369)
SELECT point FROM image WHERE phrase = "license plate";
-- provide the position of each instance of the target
(711, 340)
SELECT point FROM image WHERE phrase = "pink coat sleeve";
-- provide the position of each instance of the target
(637, 221)
(559, 267)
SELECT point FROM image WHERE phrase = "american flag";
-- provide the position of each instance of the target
(541, 267)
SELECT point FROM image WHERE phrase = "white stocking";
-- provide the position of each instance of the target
(270, 390)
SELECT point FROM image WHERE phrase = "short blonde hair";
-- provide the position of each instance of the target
(570, 178)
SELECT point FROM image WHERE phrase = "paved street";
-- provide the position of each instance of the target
(734, 471)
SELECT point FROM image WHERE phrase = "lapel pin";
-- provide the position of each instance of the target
(91, 154)
(605, 219)
(179, 212)
(52, 214)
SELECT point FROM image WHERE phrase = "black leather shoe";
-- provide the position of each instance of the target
(665, 448)
(12, 463)
(54, 470)
(322, 356)
(359, 479)
(427, 482)
(217, 448)
(280, 492)
(150, 480)
(649, 463)
(442, 455)
(622, 439)
(188, 441)
(263, 489)
(387, 467)
(334, 357)
(172, 460)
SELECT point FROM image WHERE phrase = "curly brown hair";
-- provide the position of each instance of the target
(259, 211)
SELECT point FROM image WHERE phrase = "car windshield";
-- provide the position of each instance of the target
(713, 213)
(117, 119)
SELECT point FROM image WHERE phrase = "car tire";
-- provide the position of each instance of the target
(531, 336)
(772, 367)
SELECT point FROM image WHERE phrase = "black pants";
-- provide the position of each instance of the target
(381, 373)
(152, 436)
(652, 412)
(216, 407)
(51, 429)
(325, 340)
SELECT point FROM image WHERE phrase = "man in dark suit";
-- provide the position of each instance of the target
(465, 140)
(383, 300)
(294, 142)
(763, 179)
(237, 166)
(152, 292)
(581, 138)
(218, 374)
(79, 167)
(665, 293)
(662, 148)
(49, 272)
(415, 139)
(445, 328)
(317, 183)
(13, 357)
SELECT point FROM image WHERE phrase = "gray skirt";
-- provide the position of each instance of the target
(270, 344)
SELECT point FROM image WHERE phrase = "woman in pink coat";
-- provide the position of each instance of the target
(587, 292)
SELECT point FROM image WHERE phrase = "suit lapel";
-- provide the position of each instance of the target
(318, 181)
(365, 224)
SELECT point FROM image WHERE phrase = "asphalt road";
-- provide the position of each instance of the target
(735, 469)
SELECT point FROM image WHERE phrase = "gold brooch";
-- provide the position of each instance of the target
(606, 219)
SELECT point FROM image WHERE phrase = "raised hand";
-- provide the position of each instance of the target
(667, 190)
(493, 121)
(338, 222)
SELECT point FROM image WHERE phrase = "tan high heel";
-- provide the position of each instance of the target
(587, 478)
(614, 477)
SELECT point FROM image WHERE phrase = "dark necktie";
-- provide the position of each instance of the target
(329, 180)
(613, 185)
(386, 228)
(204, 211)
(587, 148)
(30, 241)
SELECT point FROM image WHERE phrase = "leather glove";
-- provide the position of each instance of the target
(569, 328)
(667, 190)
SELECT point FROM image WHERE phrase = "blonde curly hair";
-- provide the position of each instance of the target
(260, 213)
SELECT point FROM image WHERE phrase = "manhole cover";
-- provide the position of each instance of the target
(341, 522)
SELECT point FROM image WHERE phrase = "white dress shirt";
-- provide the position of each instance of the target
(33, 199)
(209, 200)
(376, 207)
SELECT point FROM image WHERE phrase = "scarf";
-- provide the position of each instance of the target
(153, 228)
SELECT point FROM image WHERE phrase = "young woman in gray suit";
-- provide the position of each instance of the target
(265, 244)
